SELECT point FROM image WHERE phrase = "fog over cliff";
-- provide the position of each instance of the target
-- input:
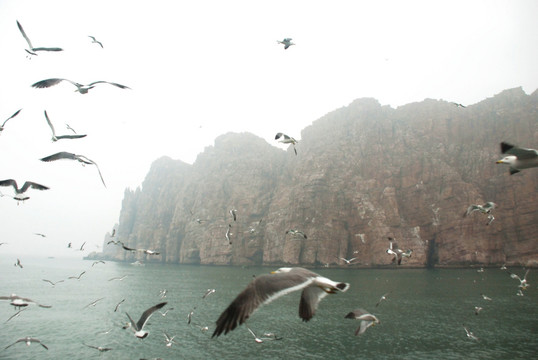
(362, 173)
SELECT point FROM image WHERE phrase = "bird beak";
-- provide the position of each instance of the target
(498, 162)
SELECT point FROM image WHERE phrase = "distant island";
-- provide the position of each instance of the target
(362, 173)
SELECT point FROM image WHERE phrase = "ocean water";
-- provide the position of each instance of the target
(422, 317)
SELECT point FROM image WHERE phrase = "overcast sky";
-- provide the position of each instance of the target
(199, 69)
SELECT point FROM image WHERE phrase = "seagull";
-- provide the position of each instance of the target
(126, 247)
(19, 192)
(287, 140)
(28, 340)
(70, 128)
(165, 312)
(503, 267)
(398, 253)
(523, 282)
(470, 334)
(265, 288)
(228, 234)
(296, 233)
(69, 156)
(118, 278)
(95, 41)
(162, 293)
(113, 233)
(93, 303)
(189, 316)
(485, 297)
(69, 246)
(384, 297)
(98, 262)
(458, 105)
(31, 49)
(59, 137)
(101, 349)
(19, 302)
(256, 338)
(518, 158)
(118, 305)
(18, 263)
(82, 246)
(484, 209)
(16, 314)
(138, 327)
(520, 293)
(287, 42)
(233, 212)
(365, 318)
(53, 283)
(11, 117)
(208, 292)
(477, 309)
(346, 260)
(169, 340)
(83, 89)
(77, 277)
(42, 235)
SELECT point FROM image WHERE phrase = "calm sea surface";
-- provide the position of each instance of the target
(422, 317)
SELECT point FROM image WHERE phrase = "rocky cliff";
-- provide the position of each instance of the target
(363, 173)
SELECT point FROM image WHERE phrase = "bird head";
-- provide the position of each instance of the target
(510, 159)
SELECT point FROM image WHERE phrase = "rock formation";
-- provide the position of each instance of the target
(363, 173)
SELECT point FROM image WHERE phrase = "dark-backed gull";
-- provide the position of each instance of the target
(364, 317)
(518, 158)
(138, 327)
(83, 89)
(286, 42)
(31, 49)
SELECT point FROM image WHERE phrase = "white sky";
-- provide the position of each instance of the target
(199, 69)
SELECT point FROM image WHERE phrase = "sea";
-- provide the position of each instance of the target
(423, 316)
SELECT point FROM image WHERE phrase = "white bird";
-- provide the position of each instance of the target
(485, 297)
(28, 340)
(19, 192)
(95, 41)
(256, 338)
(384, 297)
(347, 261)
(11, 117)
(169, 340)
(77, 277)
(59, 137)
(31, 49)
(296, 233)
(93, 303)
(365, 318)
(118, 278)
(233, 212)
(397, 253)
(83, 89)
(286, 42)
(265, 288)
(19, 302)
(208, 292)
(287, 140)
(165, 312)
(522, 282)
(477, 309)
(100, 348)
(469, 333)
(98, 262)
(484, 209)
(518, 158)
(53, 283)
(138, 327)
(229, 234)
(69, 156)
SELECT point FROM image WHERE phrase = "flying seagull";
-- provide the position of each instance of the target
(397, 252)
(19, 192)
(31, 49)
(365, 318)
(53, 283)
(384, 297)
(477, 310)
(523, 282)
(77, 277)
(28, 340)
(347, 261)
(256, 338)
(39, 234)
(208, 292)
(138, 327)
(83, 89)
(120, 278)
(19, 302)
(59, 137)
(100, 348)
(518, 158)
(118, 305)
(265, 288)
(165, 312)
(69, 156)
(233, 212)
(95, 41)
(21, 310)
(169, 340)
(229, 234)
(484, 209)
(11, 117)
(296, 233)
(458, 105)
(469, 333)
(485, 297)
(98, 262)
(18, 263)
(287, 140)
(287, 42)
(93, 303)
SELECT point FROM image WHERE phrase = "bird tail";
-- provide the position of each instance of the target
(342, 286)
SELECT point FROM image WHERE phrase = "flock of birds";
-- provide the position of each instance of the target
(262, 289)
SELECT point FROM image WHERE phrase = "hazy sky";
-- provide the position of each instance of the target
(199, 69)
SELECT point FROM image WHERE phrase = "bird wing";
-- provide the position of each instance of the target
(59, 156)
(24, 35)
(147, 314)
(310, 298)
(9, 182)
(89, 161)
(111, 83)
(70, 136)
(12, 116)
(278, 135)
(51, 82)
(133, 324)
(522, 153)
(262, 290)
(47, 49)
(33, 185)
(50, 124)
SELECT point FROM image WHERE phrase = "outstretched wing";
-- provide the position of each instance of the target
(33, 185)
(59, 156)
(147, 314)
(520, 153)
(50, 124)
(12, 116)
(111, 83)
(51, 82)
(9, 182)
(24, 35)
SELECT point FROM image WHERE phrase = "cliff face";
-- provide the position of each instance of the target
(363, 172)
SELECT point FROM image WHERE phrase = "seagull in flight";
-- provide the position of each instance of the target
(53, 283)
(59, 137)
(347, 261)
(69, 156)
(469, 333)
(523, 282)
(484, 209)
(83, 89)
(296, 233)
(384, 297)
(31, 49)
(118, 305)
(119, 278)
(169, 340)
(19, 192)
(11, 117)
(398, 253)
(19, 302)
(138, 327)
(208, 292)
(518, 158)
(93, 303)
(233, 212)
(477, 309)
(101, 349)
(229, 234)
(286, 42)
(485, 297)
(28, 340)
(365, 318)
(77, 277)
(287, 140)
(19, 312)
(18, 263)
(98, 262)
(458, 105)
(94, 40)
